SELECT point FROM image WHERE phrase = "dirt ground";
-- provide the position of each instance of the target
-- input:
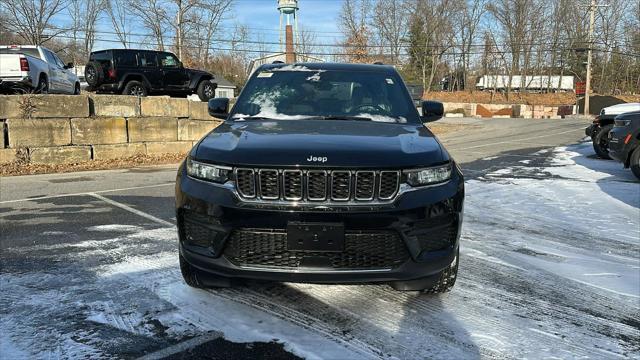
(23, 168)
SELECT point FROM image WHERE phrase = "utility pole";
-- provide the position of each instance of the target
(587, 90)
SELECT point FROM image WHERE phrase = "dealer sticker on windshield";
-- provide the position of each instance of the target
(265, 74)
(389, 81)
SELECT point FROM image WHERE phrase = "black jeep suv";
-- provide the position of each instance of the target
(143, 72)
(321, 173)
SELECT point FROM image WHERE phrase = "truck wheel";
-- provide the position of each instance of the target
(601, 142)
(93, 74)
(135, 88)
(197, 279)
(43, 86)
(434, 284)
(206, 90)
(634, 162)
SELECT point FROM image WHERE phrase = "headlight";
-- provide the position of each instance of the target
(429, 176)
(207, 171)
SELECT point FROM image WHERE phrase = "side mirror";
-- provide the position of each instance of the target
(68, 66)
(219, 107)
(432, 111)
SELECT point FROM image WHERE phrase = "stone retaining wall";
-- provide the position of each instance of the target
(56, 129)
(510, 110)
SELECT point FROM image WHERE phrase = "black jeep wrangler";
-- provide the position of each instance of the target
(143, 72)
(321, 173)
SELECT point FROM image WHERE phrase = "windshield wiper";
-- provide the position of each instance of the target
(253, 118)
(339, 117)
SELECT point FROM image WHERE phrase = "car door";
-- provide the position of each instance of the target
(55, 72)
(150, 68)
(174, 75)
(67, 78)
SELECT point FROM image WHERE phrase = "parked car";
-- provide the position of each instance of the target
(143, 72)
(321, 173)
(603, 123)
(624, 141)
(35, 69)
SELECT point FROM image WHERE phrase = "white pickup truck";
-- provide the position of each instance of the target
(35, 69)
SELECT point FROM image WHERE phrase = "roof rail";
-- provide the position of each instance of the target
(378, 63)
(278, 62)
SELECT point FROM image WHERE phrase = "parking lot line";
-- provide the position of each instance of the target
(85, 193)
(130, 209)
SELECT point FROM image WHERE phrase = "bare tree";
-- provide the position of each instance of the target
(153, 15)
(84, 16)
(31, 19)
(390, 21)
(206, 24)
(120, 15)
(471, 13)
(353, 22)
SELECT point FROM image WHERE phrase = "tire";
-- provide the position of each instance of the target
(43, 85)
(435, 284)
(206, 90)
(135, 88)
(76, 89)
(189, 274)
(601, 142)
(94, 74)
(634, 162)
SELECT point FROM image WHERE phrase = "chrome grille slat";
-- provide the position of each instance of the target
(321, 186)
(365, 185)
(269, 184)
(340, 185)
(292, 184)
(316, 185)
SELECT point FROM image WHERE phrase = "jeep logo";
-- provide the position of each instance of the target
(317, 159)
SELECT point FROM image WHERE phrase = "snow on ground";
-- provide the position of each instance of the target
(549, 269)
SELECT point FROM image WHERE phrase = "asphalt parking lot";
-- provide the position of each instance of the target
(89, 268)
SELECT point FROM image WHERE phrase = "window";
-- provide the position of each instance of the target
(126, 58)
(223, 94)
(168, 60)
(58, 61)
(148, 59)
(51, 59)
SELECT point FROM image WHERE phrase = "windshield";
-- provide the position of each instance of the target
(296, 92)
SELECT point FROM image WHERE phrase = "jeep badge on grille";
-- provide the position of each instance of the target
(317, 159)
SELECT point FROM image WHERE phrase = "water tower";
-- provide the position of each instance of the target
(288, 9)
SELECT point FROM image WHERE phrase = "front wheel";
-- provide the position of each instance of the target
(206, 90)
(76, 89)
(43, 86)
(601, 141)
(135, 88)
(200, 280)
(634, 162)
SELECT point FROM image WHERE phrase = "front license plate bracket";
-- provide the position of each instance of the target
(327, 237)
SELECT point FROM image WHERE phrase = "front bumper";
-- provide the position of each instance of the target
(618, 150)
(426, 223)
(591, 130)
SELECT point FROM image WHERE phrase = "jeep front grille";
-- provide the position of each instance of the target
(317, 185)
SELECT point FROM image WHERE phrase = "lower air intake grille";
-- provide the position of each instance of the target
(363, 250)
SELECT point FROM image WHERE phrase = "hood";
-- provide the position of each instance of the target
(196, 71)
(321, 143)
(620, 109)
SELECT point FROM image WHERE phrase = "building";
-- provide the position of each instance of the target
(225, 88)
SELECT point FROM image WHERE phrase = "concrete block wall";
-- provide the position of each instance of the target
(510, 110)
(57, 129)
